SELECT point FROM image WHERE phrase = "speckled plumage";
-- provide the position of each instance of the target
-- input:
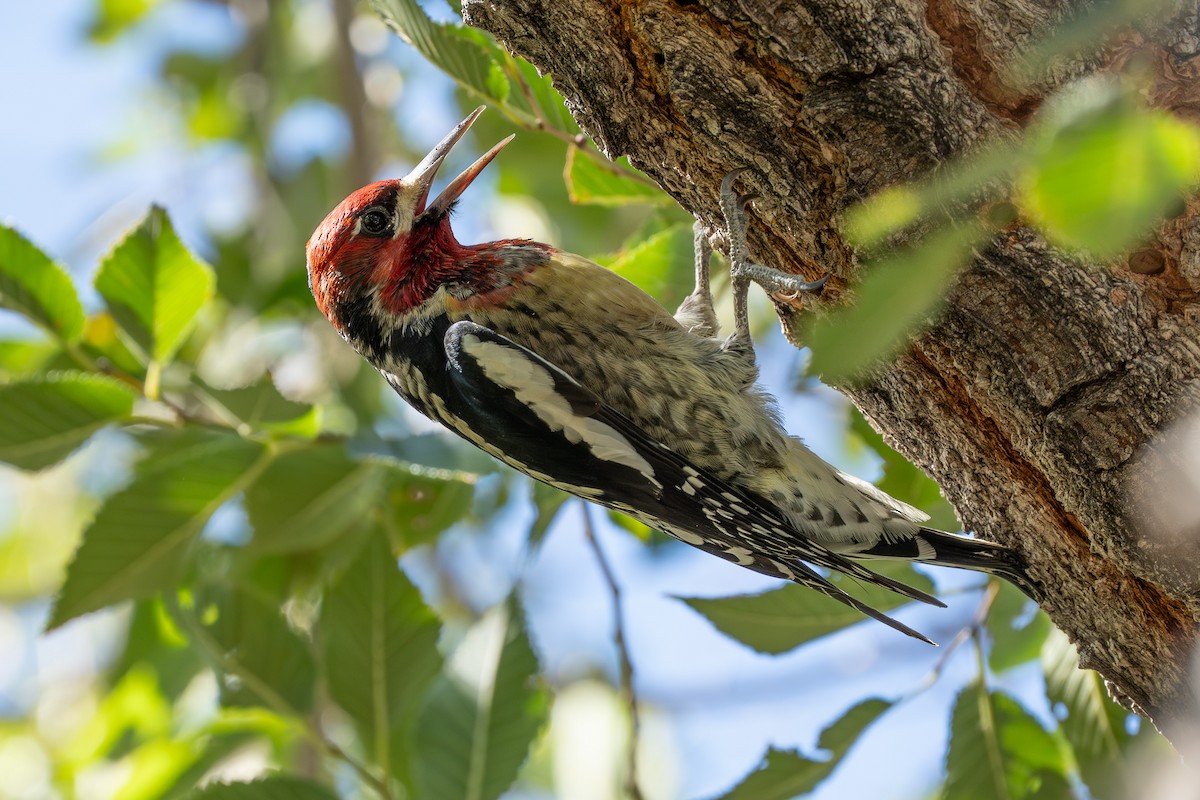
(570, 373)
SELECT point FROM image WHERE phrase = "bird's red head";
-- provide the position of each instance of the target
(387, 238)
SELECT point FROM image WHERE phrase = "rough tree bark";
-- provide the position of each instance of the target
(1034, 397)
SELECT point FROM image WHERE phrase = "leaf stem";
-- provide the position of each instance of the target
(224, 662)
(627, 692)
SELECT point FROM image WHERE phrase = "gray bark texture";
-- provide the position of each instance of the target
(1037, 396)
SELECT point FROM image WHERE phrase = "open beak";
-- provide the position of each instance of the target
(423, 174)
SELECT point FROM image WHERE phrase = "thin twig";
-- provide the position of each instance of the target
(628, 695)
(225, 663)
(967, 632)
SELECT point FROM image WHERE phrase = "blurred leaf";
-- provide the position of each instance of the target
(44, 420)
(154, 766)
(464, 54)
(784, 775)
(379, 642)
(1093, 724)
(101, 336)
(309, 496)
(261, 405)
(153, 642)
(895, 295)
(247, 623)
(550, 104)
(590, 181)
(114, 17)
(154, 286)
(904, 480)
(662, 265)
(783, 619)
(475, 731)
(547, 502)
(33, 285)
(997, 750)
(1107, 170)
(139, 541)
(1017, 635)
(1086, 30)
(422, 507)
(272, 787)
(23, 359)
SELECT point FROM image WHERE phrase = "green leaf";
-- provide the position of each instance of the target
(310, 496)
(592, 182)
(1093, 725)
(44, 420)
(783, 619)
(661, 265)
(26, 358)
(33, 285)
(784, 775)
(266, 655)
(422, 507)
(999, 752)
(154, 286)
(275, 787)
(904, 480)
(895, 295)
(261, 405)
(114, 17)
(1015, 642)
(1104, 176)
(139, 541)
(379, 641)
(479, 722)
(154, 642)
(466, 55)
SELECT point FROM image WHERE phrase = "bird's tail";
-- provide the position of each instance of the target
(931, 546)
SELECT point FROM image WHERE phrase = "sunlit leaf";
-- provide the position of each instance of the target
(462, 53)
(476, 729)
(895, 295)
(784, 775)
(140, 538)
(590, 181)
(1106, 172)
(783, 619)
(661, 265)
(44, 420)
(309, 496)
(33, 285)
(114, 17)
(1017, 635)
(25, 358)
(1093, 724)
(379, 642)
(274, 787)
(999, 752)
(154, 286)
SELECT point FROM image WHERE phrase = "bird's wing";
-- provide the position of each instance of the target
(530, 414)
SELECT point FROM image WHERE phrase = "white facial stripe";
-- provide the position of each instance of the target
(534, 387)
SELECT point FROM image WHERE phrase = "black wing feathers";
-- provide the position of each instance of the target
(605, 452)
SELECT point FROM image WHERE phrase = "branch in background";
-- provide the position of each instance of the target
(628, 695)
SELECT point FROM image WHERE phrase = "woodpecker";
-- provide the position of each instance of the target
(567, 372)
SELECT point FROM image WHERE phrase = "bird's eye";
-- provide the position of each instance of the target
(375, 222)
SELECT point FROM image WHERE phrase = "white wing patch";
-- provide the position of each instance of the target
(534, 387)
